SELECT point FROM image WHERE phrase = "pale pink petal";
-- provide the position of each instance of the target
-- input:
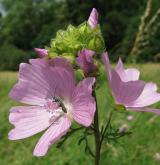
(140, 109)
(125, 92)
(65, 77)
(83, 102)
(28, 121)
(65, 83)
(93, 18)
(149, 96)
(85, 61)
(127, 89)
(39, 62)
(64, 63)
(105, 60)
(55, 132)
(41, 52)
(34, 85)
(126, 75)
(38, 82)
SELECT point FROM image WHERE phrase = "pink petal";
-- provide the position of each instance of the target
(125, 92)
(33, 86)
(149, 96)
(127, 74)
(156, 111)
(64, 77)
(64, 71)
(64, 63)
(39, 62)
(83, 103)
(85, 61)
(27, 121)
(55, 132)
(38, 82)
(93, 18)
(105, 60)
(41, 52)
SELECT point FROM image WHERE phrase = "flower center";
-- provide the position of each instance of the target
(68, 106)
(57, 107)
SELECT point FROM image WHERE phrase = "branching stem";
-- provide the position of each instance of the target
(105, 129)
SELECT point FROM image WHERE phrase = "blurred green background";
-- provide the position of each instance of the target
(131, 31)
(25, 24)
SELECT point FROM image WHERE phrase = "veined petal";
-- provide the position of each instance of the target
(126, 75)
(39, 62)
(38, 82)
(125, 92)
(83, 103)
(28, 121)
(149, 96)
(64, 74)
(55, 132)
(34, 85)
(62, 62)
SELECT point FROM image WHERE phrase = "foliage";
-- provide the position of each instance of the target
(11, 57)
(31, 23)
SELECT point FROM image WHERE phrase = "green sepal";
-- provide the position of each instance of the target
(77, 38)
(119, 107)
(79, 75)
(70, 57)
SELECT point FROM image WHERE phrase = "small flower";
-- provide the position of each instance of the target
(130, 117)
(157, 156)
(86, 62)
(128, 90)
(41, 52)
(93, 18)
(49, 87)
(123, 128)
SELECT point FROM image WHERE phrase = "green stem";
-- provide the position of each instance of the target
(105, 129)
(96, 133)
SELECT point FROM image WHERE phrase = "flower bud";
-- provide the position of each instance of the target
(93, 18)
(41, 52)
(86, 62)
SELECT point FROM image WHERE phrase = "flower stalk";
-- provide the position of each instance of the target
(96, 132)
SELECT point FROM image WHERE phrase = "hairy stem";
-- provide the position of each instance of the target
(96, 133)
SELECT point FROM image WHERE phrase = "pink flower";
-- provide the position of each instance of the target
(93, 18)
(86, 62)
(49, 87)
(41, 52)
(128, 90)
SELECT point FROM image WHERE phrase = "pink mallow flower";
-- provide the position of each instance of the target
(48, 86)
(86, 62)
(41, 52)
(93, 18)
(128, 90)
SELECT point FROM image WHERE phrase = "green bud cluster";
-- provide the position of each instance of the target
(68, 43)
